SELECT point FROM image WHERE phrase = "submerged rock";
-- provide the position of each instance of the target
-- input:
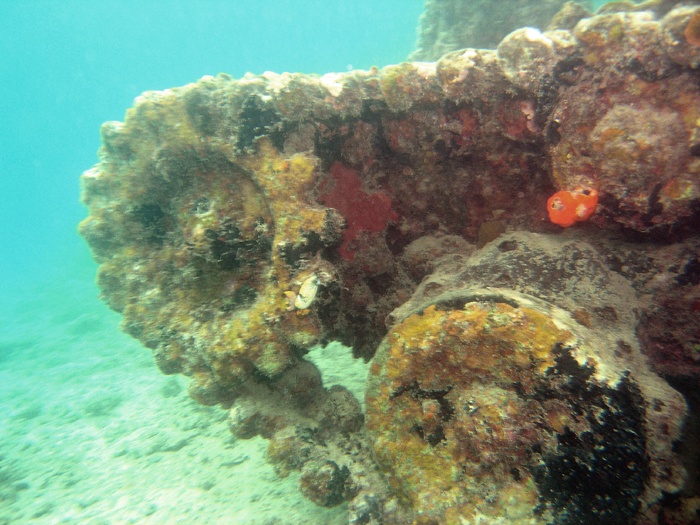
(449, 25)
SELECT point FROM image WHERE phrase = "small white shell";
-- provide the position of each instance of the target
(307, 293)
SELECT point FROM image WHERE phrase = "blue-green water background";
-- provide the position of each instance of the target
(68, 66)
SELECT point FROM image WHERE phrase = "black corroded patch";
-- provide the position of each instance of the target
(257, 119)
(597, 475)
(445, 414)
(153, 220)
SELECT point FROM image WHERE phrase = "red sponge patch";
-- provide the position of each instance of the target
(363, 211)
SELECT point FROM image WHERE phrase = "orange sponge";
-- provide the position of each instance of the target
(567, 207)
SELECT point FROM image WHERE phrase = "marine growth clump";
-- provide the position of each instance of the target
(510, 237)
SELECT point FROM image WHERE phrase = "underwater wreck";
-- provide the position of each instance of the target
(510, 236)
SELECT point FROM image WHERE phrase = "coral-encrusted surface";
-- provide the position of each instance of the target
(523, 386)
(408, 150)
(197, 251)
(237, 223)
(493, 411)
(631, 131)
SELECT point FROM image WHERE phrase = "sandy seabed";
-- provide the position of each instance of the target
(92, 432)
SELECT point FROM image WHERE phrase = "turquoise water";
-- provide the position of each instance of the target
(83, 407)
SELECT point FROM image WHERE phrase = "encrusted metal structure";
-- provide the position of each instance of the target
(521, 371)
